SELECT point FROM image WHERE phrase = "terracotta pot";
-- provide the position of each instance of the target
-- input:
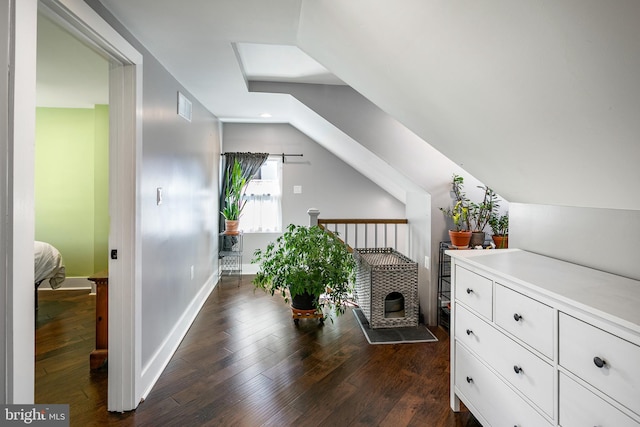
(231, 227)
(460, 239)
(501, 242)
(477, 239)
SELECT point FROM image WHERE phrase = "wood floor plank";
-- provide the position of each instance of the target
(245, 363)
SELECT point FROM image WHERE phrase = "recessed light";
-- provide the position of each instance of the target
(265, 115)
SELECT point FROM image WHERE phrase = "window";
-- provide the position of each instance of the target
(263, 211)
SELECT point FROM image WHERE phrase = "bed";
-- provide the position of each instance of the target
(48, 265)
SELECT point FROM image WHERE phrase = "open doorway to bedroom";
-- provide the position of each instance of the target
(71, 212)
(125, 148)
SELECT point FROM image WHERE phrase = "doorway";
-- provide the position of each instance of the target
(71, 210)
(125, 101)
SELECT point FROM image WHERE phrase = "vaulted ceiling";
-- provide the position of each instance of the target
(539, 99)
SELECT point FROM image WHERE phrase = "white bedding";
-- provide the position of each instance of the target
(48, 265)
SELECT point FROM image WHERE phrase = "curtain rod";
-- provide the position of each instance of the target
(278, 154)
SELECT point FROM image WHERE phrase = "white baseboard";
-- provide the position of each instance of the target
(250, 268)
(152, 371)
(70, 283)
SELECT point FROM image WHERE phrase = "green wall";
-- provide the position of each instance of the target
(71, 185)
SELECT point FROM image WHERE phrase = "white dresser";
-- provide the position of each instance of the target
(541, 342)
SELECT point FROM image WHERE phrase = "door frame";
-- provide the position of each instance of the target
(125, 156)
(18, 52)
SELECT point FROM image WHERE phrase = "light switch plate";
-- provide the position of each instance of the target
(297, 189)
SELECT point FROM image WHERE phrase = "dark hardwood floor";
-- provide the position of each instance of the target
(245, 363)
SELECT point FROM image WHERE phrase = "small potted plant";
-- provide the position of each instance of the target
(480, 214)
(500, 227)
(304, 264)
(459, 214)
(234, 199)
(459, 236)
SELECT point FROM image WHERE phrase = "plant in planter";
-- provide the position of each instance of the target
(500, 227)
(234, 198)
(480, 214)
(459, 214)
(460, 236)
(305, 263)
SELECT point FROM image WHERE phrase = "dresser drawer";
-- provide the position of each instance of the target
(475, 291)
(517, 365)
(619, 377)
(580, 407)
(528, 319)
(491, 397)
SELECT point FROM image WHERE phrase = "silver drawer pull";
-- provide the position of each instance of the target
(469, 290)
(517, 317)
(599, 362)
(469, 380)
(469, 332)
(517, 369)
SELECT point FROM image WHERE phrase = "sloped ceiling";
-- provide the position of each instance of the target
(539, 100)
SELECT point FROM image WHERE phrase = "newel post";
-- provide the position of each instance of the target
(313, 216)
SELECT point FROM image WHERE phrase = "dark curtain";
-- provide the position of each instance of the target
(250, 164)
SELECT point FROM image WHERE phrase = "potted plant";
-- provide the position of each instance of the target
(304, 264)
(480, 214)
(459, 214)
(234, 198)
(460, 236)
(500, 227)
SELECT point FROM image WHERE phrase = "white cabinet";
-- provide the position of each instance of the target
(474, 291)
(493, 399)
(525, 318)
(514, 363)
(580, 407)
(538, 341)
(607, 362)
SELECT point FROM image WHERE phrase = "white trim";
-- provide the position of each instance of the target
(158, 362)
(125, 308)
(69, 284)
(18, 219)
(250, 268)
(5, 241)
(91, 27)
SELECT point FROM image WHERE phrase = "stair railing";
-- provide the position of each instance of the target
(366, 233)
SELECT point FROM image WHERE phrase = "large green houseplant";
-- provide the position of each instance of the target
(234, 201)
(304, 264)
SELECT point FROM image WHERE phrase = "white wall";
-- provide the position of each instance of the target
(328, 183)
(182, 158)
(418, 211)
(604, 239)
